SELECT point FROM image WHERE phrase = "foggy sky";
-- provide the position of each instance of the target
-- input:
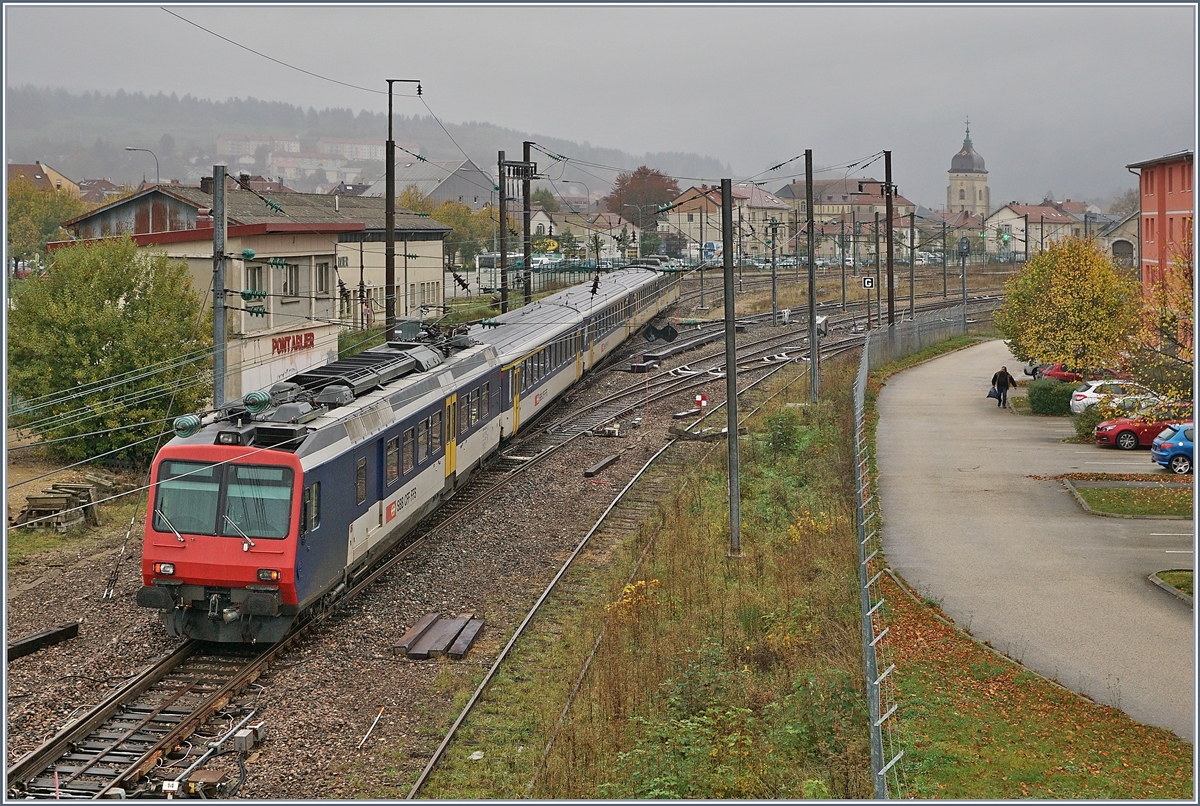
(1059, 98)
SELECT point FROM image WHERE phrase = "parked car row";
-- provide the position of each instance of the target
(1174, 447)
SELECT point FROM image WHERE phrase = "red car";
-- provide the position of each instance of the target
(1128, 433)
(1058, 372)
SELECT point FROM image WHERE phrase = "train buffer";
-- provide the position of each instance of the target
(435, 635)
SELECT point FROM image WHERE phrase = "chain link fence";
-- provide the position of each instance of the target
(883, 347)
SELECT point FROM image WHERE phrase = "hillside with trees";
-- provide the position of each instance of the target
(84, 135)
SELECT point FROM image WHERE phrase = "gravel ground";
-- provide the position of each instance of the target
(321, 699)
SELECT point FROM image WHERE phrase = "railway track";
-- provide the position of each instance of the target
(137, 739)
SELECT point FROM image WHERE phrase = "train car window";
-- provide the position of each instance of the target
(391, 461)
(360, 481)
(462, 414)
(186, 497)
(483, 402)
(409, 451)
(474, 406)
(258, 501)
(422, 441)
(305, 503)
(435, 432)
(314, 510)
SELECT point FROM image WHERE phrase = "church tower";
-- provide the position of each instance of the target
(968, 188)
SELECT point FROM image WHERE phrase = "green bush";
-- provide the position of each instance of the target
(1085, 423)
(1048, 396)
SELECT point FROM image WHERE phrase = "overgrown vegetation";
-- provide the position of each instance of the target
(715, 677)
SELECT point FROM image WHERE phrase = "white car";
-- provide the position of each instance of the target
(1116, 392)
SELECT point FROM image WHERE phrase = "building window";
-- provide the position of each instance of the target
(254, 278)
(322, 278)
(291, 280)
(962, 195)
(541, 229)
(690, 217)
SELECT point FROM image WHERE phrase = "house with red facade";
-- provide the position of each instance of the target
(1168, 207)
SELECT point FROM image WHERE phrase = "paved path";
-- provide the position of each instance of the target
(1013, 559)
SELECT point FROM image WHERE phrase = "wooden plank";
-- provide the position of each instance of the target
(465, 639)
(414, 633)
(438, 638)
(32, 643)
(603, 463)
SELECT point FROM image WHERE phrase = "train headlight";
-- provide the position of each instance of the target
(229, 438)
(268, 575)
(166, 569)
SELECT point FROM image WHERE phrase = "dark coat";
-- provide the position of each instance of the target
(1002, 380)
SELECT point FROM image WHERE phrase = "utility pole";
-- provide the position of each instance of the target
(842, 243)
(389, 226)
(220, 223)
(362, 289)
(703, 207)
(878, 284)
(731, 418)
(406, 293)
(943, 258)
(528, 237)
(964, 248)
(503, 213)
(887, 196)
(813, 356)
(774, 277)
(912, 264)
(1042, 234)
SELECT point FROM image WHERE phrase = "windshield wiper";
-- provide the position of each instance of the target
(178, 536)
(243, 534)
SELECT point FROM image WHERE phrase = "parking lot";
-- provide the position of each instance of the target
(975, 519)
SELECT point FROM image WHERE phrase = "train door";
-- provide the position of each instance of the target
(516, 398)
(577, 344)
(451, 441)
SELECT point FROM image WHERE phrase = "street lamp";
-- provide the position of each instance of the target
(151, 153)
(587, 207)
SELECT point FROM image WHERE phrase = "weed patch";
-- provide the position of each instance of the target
(1150, 501)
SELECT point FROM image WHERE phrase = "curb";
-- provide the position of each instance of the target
(912, 594)
(1171, 589)
(1067, 483)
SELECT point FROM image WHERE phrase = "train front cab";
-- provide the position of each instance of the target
(220, 542)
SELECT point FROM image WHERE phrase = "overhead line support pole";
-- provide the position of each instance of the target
(731, 417)
(887, 197)
(503, 226)
(528, 236)
(813, 357)
(220, 224)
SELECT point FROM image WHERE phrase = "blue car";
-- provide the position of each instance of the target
(1173, 448)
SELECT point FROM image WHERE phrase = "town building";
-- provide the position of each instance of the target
(761, 221)
(316, 260)
(437, 181)
(42, 177)
(99, 191)
(616, 236)
(242, 145)
(1028, 229)
(1167, 205)
(968, 188)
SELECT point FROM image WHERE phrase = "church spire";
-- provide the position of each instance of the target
(967, 141)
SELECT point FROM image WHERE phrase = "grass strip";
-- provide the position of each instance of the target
(1180, 580)
(976, 725)
(1152, 501)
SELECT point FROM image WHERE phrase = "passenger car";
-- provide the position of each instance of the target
(1129, 432)
(1173, 448)
(1058, 372)
(1115, 392)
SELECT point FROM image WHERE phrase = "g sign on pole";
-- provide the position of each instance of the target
(964, 249)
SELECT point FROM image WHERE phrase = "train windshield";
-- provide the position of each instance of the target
(224, 500)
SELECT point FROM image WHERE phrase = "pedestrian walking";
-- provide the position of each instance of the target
(1001, 382)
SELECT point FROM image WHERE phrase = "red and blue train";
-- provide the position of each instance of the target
(274, 504)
